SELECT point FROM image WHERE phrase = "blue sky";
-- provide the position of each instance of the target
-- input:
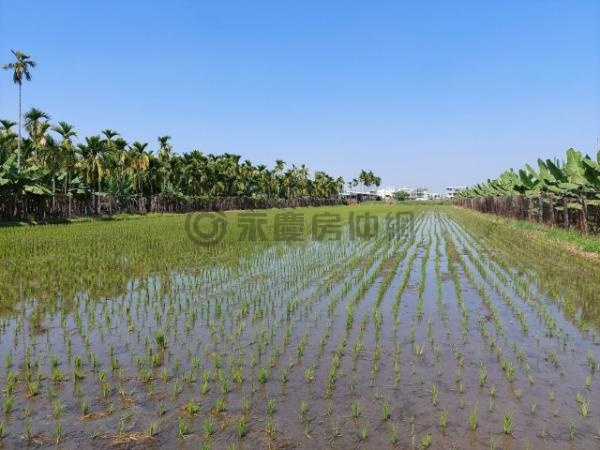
(433, 93)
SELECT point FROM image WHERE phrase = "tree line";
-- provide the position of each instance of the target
(52, 158)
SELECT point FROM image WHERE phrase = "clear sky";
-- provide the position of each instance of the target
(421, 92)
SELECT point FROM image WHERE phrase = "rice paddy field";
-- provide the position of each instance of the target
(455, 332)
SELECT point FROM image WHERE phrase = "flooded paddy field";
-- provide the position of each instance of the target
(451, 333)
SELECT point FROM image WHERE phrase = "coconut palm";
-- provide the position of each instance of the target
(21, 70)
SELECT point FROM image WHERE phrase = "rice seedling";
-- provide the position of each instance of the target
(364, 430)
(507, 423)
(7, 406)
(28, 431)
(309, 375)
(482, 375)
(443, 419)
(393, 433)
(57, 432)
(192, 407)
(57, 408)
(152, 429)
(241, 427)
(387, 408)
(208, 426)
(182, 428)
(303, 409)
(335, 430)
(434, 394)
(473, 419)
(518, 393)
(426, 441)
(493, 442)
(571, 429)
(533, 408)
(262, 375)
(219, 405)
(356, 409)
(246, 406)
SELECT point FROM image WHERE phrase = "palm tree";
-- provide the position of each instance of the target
(66, 132)
(36, 124)
(91, 163)
(20, 69)
(139, 162)
(7, 125)
(164, 157)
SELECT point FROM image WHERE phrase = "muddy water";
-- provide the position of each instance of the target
(349, 344)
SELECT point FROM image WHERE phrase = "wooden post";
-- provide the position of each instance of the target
(584, 224)
(551, 210)
(566, 212)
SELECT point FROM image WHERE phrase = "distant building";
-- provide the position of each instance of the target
(420, 194)
(358, 197)
(386, 192)
(451, 191)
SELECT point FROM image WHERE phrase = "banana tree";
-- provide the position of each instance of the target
(15, 183)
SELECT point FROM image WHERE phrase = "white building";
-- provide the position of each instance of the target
(420, 194)
(451, 191)
(386, 192)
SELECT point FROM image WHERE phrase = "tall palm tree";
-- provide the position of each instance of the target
(20, 69)
(109, 144)
(139, 162)
(164, 156)
(91, 164)
(67, 132)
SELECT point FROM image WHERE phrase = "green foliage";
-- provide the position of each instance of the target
(401, 196)
(53, 162)
(578, 175)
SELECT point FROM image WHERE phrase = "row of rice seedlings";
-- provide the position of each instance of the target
(552, 357)
(519, 282)
(517, 311)
(565, 281)
(392, 261)
(160, 340)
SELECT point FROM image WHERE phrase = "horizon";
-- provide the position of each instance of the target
(432, 95)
